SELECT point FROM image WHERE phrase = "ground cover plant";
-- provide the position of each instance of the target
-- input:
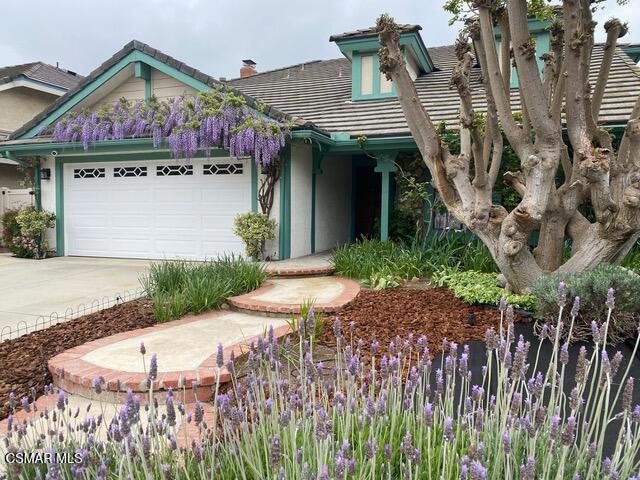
(395, 415)
(179, 287)
(592, 288)
(480, 288)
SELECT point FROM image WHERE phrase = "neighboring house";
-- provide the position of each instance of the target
(26, 90)
(330, 190)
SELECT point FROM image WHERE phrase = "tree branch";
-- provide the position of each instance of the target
(514, 134)
(531, 91)
(615, 29)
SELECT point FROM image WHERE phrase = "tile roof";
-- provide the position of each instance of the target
(152, 52)
(41, 72)
(320, 92)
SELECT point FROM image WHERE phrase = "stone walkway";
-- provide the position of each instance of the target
(186, 349)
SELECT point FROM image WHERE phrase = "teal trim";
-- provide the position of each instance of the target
(409, 39)
(285, 205)
(633, 52)
(385, 165)
(133, 57)
(316, 170)
(138, 156)
(254, 186)
(356, 75)
(9, 154)
(142, 70)
(59, 207)
(61, 160)
(356, 78)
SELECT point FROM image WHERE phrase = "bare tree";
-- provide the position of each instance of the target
(593, 173)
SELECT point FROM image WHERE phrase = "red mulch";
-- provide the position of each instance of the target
(24, 359)
(384, 314)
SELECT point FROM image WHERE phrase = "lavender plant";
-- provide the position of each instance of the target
(188, 124)
(396, 414)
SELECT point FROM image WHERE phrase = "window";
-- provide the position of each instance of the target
(174, 170)
(119, 172)
(368, 81)
(222, 169)
(88, 173)
(366, 75)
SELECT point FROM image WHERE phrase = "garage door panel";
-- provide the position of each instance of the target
(179, 216)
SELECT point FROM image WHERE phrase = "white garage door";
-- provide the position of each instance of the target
(155, 209)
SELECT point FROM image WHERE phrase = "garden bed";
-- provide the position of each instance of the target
(382, 315)
(24, 359)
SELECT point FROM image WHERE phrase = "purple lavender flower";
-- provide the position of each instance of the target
(528, 470)
(143, 350)
(562, 294)
(576, 307)
(568, 434)
(276, 451)
(506, 442)
(448, 429)
(220, 356)
(610, 303)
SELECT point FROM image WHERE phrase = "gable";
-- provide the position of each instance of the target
(127, 85)
(116, 71)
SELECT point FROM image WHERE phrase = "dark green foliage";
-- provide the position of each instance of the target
(180, 287)
(592, 288)
(365, 259)
(10, 228)
(481, 288)
(632, 260)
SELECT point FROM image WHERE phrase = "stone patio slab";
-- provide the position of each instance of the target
(186, 351)
(288, 295)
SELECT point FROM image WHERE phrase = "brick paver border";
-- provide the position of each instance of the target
(75, 375)
(249, 302)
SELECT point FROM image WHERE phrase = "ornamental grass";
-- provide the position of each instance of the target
(399, 415)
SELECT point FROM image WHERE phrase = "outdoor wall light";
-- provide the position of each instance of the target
(45, 174)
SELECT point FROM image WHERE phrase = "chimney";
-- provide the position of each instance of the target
(248, 68)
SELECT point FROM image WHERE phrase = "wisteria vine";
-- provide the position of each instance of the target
(216, 119)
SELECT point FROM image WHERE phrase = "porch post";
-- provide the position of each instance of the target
(385, 165)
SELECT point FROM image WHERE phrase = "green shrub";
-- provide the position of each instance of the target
(10, 228)
(23, 231)
(478, 287)
(592, 288)
(254, 229)
(366, 259)
(180, 287)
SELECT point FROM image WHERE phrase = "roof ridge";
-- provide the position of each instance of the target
(132, 45)
(284, 68)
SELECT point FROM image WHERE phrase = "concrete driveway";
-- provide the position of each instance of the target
(30, 289)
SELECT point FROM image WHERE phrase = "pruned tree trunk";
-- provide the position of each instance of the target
(594, 174)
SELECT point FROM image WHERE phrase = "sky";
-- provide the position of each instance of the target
(214, 36)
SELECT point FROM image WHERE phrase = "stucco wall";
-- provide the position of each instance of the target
(20, 104)
(333, 203)
(301, 170)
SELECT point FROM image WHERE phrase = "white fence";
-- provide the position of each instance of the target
(15, 198)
